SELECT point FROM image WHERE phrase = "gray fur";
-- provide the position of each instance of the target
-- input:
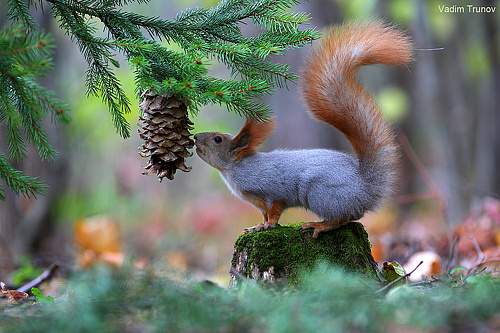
(327, 182)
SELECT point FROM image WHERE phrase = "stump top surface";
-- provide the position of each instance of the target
(291, 250)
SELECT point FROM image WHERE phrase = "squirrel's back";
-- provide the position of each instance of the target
(333, 95)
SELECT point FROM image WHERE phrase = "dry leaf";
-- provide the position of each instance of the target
(378, 250)
(479, 230)
(99, 239)
(13, 295)
(393, 271)
(491, 266)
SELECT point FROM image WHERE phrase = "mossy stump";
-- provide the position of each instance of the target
(282, 253)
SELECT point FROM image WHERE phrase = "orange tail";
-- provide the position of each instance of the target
(333, 94)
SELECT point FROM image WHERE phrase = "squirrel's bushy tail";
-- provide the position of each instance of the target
(333, 94)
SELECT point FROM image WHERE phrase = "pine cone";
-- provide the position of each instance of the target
(165, 130)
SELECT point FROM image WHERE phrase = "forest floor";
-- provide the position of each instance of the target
(454, 287)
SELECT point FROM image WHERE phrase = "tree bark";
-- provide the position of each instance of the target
(284, 253)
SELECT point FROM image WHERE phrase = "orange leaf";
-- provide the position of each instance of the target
(99, 239)
(99, 234)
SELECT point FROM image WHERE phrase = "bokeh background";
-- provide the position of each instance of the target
(447, 105)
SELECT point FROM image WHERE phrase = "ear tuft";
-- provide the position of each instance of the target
(252, 135)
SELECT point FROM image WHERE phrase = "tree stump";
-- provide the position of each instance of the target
(282, 253)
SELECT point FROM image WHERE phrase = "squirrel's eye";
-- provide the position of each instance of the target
(217, 139)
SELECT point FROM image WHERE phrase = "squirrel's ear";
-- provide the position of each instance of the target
(251, 135)
(241, 141)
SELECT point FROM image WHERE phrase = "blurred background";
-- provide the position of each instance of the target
(446, 111)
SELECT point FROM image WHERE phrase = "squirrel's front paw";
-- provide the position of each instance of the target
(259, 227)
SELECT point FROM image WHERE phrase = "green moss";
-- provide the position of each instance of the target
(292, 250)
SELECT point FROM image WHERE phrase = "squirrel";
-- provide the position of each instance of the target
(336, 186)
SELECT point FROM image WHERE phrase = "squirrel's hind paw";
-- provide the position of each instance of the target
(323, 226)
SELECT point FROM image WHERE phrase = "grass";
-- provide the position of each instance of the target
(328, 299)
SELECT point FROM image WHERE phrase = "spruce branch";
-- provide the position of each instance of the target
(24, 103)
(18, 11)
(16, 147)
(18, 181)
(203, 35)
(31, 112)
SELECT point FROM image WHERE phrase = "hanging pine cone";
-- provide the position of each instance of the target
(165, 130)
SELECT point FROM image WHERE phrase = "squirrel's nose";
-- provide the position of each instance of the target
(195, 136)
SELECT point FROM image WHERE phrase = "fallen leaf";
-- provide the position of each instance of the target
(392, 271)
(13, 295)
(99, 240)
(99, 234)
(378, 250)
(16, 296)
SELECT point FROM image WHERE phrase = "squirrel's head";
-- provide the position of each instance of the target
(220, 150)
(215, 148)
